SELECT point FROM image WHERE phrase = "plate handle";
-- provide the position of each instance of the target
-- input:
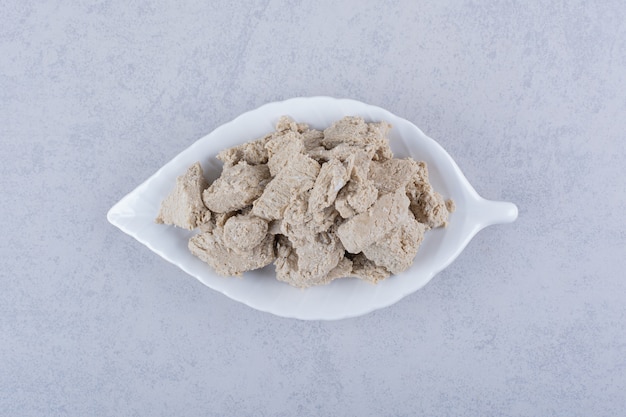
(491, 212)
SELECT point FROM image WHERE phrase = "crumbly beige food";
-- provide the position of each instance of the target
(183, 207)
(362, 230)
(238, 187)
(212, 249)
(320, 205)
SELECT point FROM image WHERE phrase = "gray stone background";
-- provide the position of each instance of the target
(528, 97)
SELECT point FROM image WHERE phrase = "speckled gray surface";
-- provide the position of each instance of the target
(528, 97)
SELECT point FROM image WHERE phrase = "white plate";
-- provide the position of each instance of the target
(134, 214)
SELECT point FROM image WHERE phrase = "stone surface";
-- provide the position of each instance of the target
(529, 99)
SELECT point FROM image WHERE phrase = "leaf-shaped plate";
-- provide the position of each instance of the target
(134, 214)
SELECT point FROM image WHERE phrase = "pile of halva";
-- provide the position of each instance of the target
(320, 205)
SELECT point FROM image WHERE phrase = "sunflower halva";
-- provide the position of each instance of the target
(320, 205)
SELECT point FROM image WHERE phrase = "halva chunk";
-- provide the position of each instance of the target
(183, 207)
